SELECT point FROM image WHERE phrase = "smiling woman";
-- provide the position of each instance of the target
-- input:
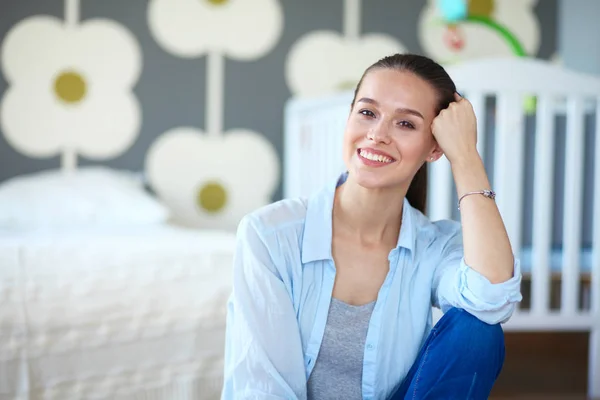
(332, 295)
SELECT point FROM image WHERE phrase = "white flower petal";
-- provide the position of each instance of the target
(40, 47)
(170, 173)
(31, 124)
(104, 62)
(106, 125)
(36, 124)
(191, 28)
(256, 156)
(323, 62)
(176, 26)
(108, 53)
(182, 160)
(253, 28)
(34, 48)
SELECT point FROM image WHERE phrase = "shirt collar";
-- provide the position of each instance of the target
(317, 238)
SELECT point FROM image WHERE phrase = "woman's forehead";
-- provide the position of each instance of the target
(396, 89)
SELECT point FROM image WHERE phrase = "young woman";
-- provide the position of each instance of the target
(332, 295)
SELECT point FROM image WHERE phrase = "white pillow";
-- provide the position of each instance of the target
(87, 197)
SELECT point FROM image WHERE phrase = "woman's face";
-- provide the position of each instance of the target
(388, 133)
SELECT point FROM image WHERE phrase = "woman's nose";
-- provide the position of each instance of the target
(379, 134)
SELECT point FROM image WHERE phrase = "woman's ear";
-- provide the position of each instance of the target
(435, 154)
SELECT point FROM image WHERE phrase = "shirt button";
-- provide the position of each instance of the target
(369, 346)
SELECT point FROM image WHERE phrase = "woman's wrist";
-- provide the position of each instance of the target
(469, 174)
(466, 160)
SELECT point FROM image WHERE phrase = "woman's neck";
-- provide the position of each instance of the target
(369, 216)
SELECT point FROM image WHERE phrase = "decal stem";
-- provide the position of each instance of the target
(72, 12)
(352, 19)
(214, 93)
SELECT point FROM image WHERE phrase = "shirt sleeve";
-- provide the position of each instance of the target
(456, 284)
(263, 350)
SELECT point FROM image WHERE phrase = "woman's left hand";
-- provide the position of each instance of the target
(455, 129)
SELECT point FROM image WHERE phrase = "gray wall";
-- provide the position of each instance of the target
(579, 34)
(171, 90)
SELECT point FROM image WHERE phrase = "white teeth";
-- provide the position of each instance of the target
(375, 157)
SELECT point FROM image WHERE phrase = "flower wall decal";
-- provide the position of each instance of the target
(209, 177)
(70, 87)
(324, 62)
(193, 28)
(212, 181)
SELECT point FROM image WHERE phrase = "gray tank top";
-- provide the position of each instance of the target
(337, 373)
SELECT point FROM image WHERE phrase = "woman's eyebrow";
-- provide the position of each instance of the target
(398, 110)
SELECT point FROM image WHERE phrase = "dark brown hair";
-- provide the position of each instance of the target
(437, 77)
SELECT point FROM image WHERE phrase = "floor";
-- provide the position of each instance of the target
(542, 397)
(548, 366)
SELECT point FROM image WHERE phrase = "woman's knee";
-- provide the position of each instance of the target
(470, 334)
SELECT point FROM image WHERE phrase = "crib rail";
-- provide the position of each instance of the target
(560, 95)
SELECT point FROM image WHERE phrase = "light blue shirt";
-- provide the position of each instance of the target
(282, 287)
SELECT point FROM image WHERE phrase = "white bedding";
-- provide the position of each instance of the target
(105, 314)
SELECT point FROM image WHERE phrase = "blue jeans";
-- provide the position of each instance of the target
(461, 359)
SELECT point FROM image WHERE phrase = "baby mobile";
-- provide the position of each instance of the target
(478, 12)
(455, 12)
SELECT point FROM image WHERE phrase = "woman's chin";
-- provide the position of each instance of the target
(371, 179)
(378, 178)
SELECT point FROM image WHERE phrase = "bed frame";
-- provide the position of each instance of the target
(539, 133)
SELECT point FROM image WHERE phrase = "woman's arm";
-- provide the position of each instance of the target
(475, 268)
(263, 350)
(486, 244)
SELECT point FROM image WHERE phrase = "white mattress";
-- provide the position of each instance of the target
(113, 314)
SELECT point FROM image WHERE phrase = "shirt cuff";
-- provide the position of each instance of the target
(483, 295)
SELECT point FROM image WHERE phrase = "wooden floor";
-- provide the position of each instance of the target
(542, 397)
(548, 366)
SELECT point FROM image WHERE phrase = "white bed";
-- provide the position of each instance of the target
(113, 312)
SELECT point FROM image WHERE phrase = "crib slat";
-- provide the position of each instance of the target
(572, 205)
(508, 164)
(594, 358)
(439, 190)
(319, 143)
(326, 149)
(315, 151)
(341, 130)
(294, 151)
(309, 155)
(542, 211)
(595, 287)
(477, 100)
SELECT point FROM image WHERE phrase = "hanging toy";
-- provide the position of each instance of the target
(455, 12)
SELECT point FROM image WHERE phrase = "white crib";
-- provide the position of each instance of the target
(552, 213)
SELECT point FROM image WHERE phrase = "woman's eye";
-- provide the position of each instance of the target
(367, 113)
(406, 124)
